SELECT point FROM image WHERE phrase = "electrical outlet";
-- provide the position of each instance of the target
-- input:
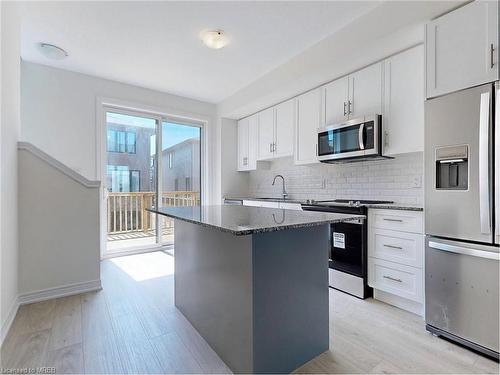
(416, 182)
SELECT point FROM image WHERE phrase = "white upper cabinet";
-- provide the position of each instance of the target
(308, 121)
(243, 144)
(336, 101)
(462, 48)
(253, 129)
(266, 134)
(247, 143)
(365, 91)
(276, 129)
(358, 94)
(285, 124)
(403, 118)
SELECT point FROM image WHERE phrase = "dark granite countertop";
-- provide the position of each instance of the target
(244, 220)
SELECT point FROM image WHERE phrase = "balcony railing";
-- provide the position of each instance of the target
(127, 211)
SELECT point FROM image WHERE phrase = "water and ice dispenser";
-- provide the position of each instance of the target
(452, 167)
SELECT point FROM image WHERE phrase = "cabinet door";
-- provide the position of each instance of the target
(336, 97)
(285, 126)
(365, 91)
(243, 159)
(266, 134)
(462, 48)
(253, 125)
(403, 119)
(308, 122)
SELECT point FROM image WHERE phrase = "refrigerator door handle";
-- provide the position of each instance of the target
(464, 250)
(484, 170)
(497, 163)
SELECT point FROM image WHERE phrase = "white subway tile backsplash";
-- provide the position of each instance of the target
(399, 180)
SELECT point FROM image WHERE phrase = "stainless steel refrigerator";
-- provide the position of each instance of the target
(462, 223)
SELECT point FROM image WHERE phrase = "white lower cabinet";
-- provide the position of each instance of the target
(396, 258)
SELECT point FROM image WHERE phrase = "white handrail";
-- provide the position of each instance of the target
(29, 147)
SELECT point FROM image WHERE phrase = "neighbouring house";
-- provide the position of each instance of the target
(181, 166)
(130, 165)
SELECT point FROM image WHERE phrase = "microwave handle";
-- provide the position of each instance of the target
(361, 132)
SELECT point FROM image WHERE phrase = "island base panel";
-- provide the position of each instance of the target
(261, 300)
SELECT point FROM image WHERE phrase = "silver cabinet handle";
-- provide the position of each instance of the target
(317, 150)
(270, 147)
(394, 247)
(392, 279)
(274, 147)
(395, 220)
(345, 108)
(484, 167)
(350, 107)
(464, 250)
(492, 51)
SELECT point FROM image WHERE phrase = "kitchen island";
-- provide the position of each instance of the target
(254, 282)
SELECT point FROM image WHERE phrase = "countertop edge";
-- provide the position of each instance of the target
(246, 232)
(393, 206)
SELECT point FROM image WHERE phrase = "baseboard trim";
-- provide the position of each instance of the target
(10, 319)
(402, 303)
(61, 291)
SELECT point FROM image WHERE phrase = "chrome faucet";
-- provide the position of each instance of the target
(283, 193)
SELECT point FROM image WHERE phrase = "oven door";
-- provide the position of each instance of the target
(346, 250)
(355, 138)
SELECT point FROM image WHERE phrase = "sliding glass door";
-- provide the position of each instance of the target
(138, 177)
(180, 172)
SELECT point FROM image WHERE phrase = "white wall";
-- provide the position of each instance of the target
(233, 183)
(58, 229)
(386, 30)
(59, 113)
(398, 180)
(9, 133)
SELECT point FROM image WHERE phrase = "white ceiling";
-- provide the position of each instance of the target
(156, 44)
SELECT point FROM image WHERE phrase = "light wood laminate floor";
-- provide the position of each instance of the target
(132, 326)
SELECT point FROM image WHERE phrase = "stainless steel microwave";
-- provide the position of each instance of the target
(354, 140)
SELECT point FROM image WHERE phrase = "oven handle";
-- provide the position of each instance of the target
(360, 136)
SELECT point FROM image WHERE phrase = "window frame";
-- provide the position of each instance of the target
(117, 134)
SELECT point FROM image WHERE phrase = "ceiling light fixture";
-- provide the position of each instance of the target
(215, 39)
(51, 51)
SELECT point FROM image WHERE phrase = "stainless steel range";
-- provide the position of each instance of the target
(348, 245)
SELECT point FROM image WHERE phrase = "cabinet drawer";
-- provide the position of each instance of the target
(403, 281)
(405, 221)
(400, 247)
